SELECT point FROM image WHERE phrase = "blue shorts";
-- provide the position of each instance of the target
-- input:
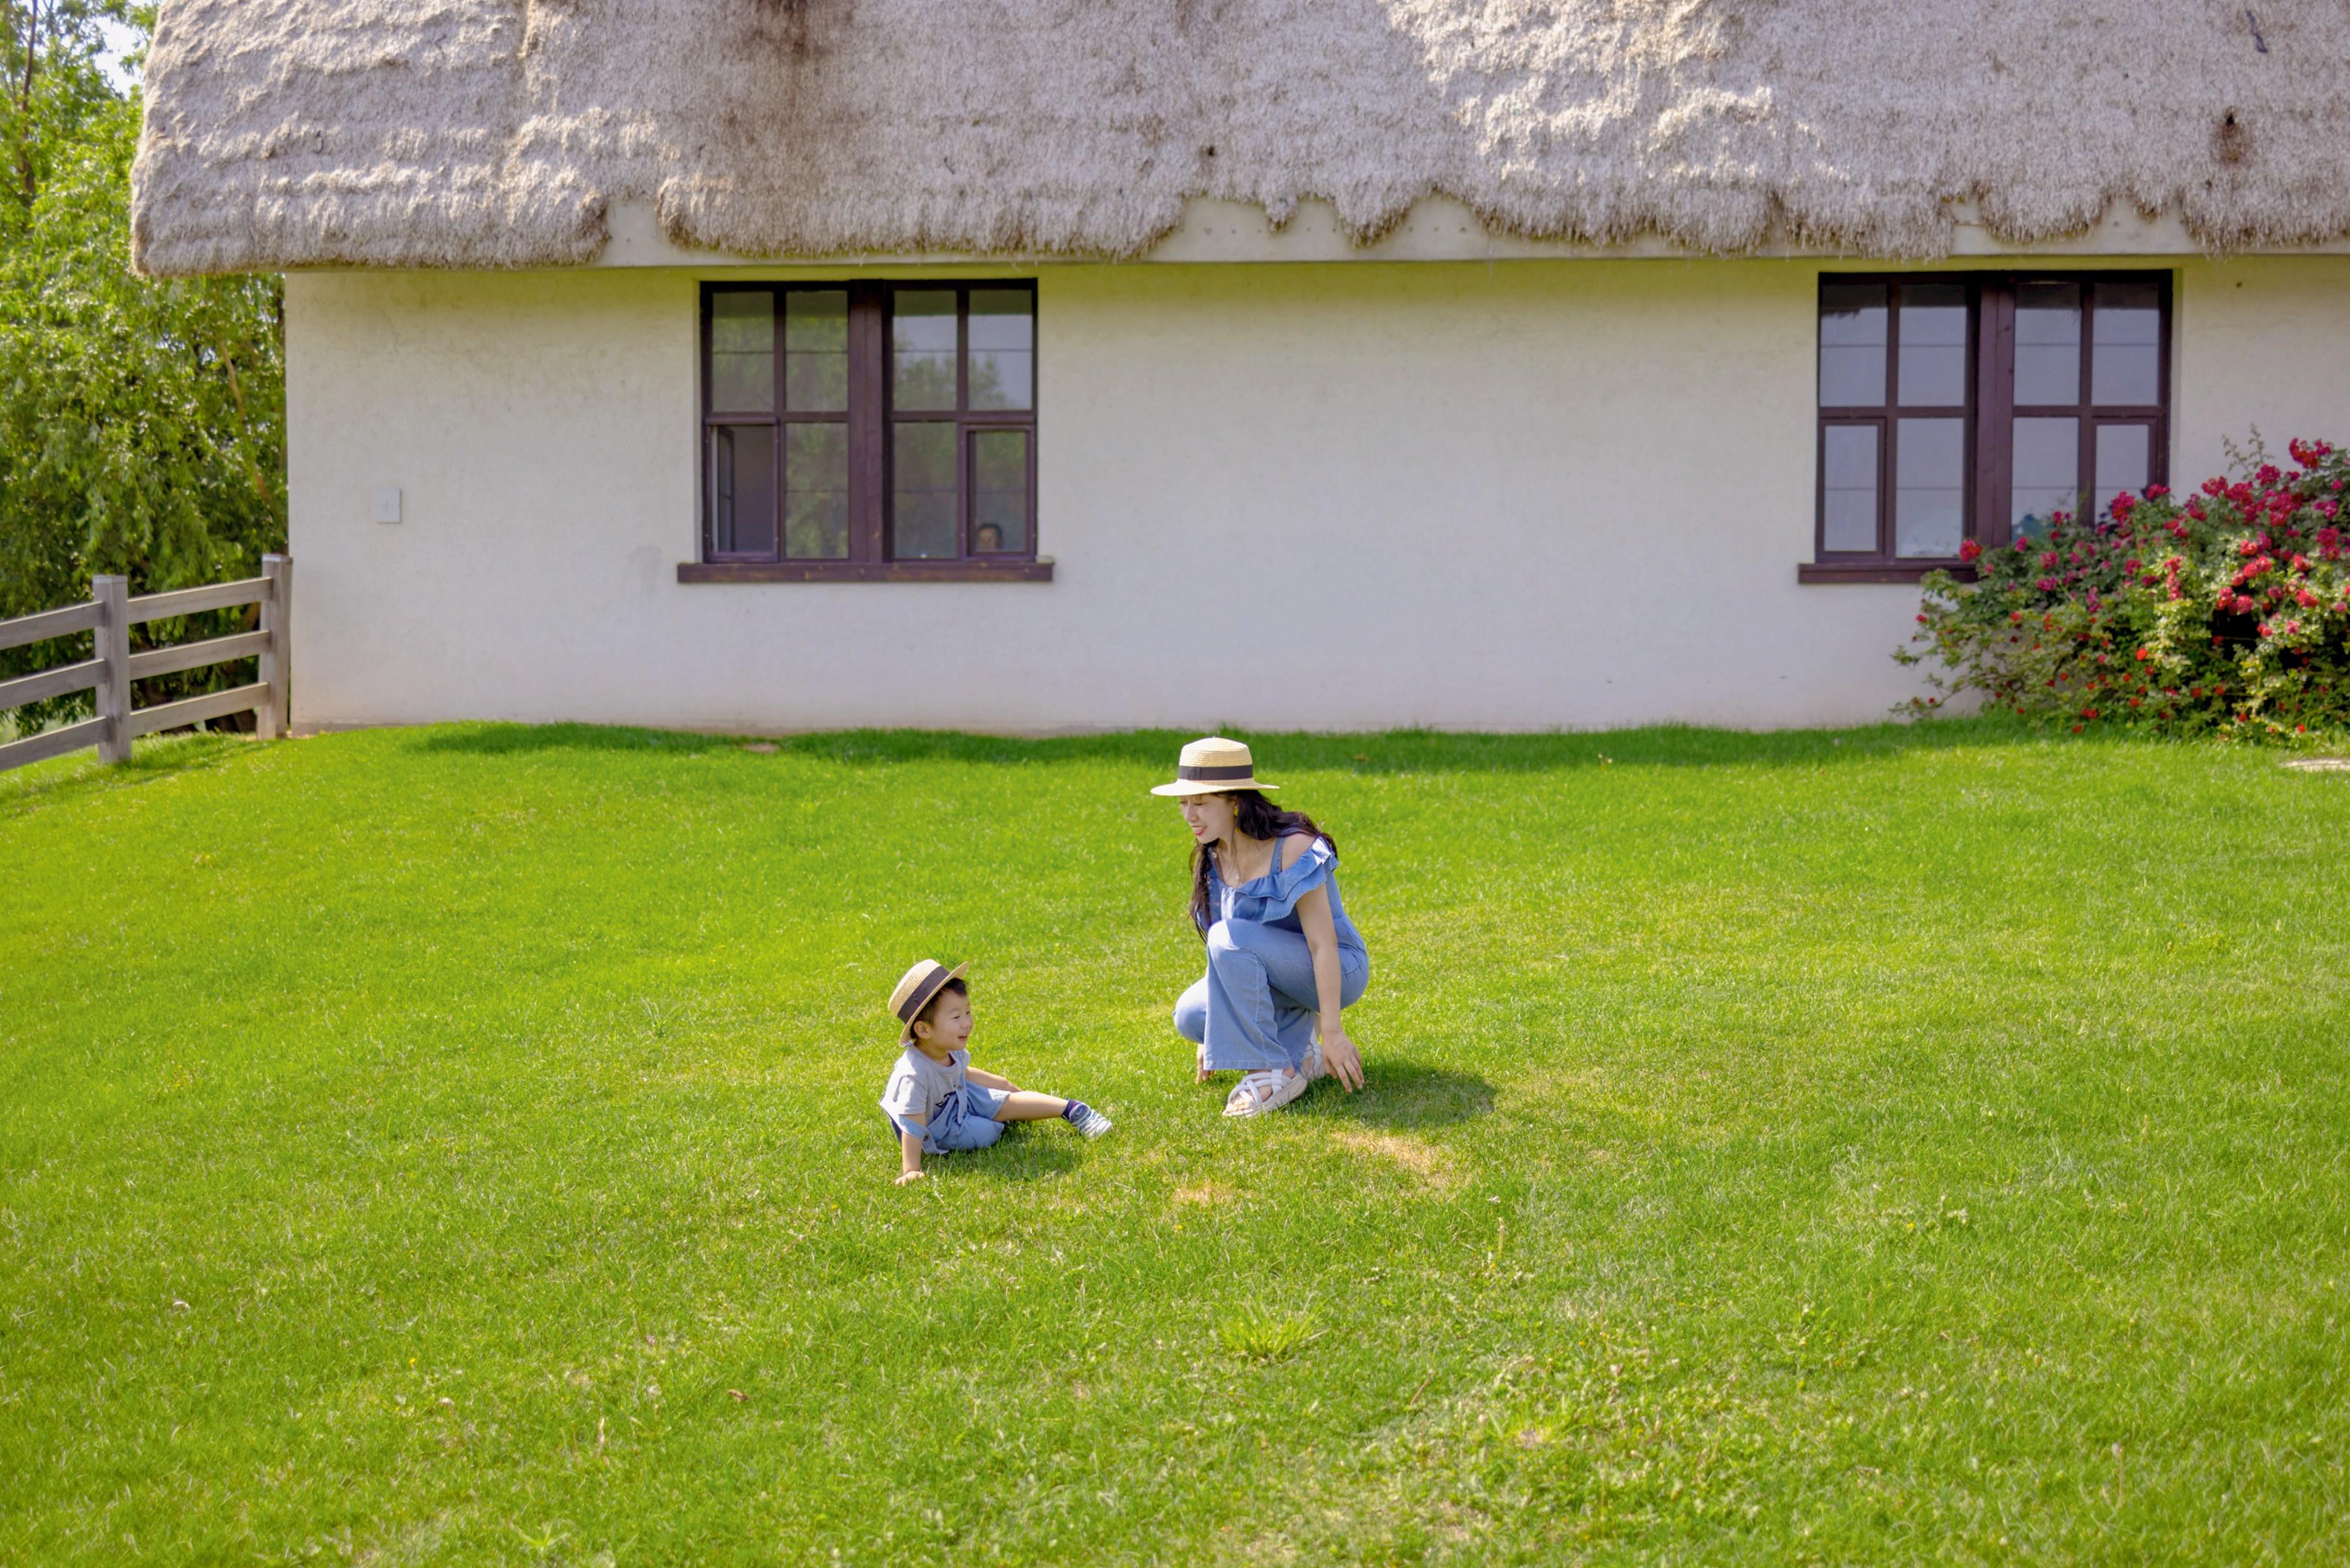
(966, 1120)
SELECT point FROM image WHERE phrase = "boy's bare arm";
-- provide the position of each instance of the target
(989, 1080)
(909, 1153)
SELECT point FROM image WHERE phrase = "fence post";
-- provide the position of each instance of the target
(113, 639)
(272, 720)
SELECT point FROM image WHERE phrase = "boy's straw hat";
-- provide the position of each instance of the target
(1214, 765)
(921, 983)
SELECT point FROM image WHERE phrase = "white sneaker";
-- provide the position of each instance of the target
(1266, 1089)
(1085, 1119)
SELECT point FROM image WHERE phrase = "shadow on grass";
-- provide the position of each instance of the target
(1402, 1096)
(77, 776)
(1027, 1151)
(1390, 751)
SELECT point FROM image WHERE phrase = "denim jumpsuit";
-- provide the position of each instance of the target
(1257, 1006)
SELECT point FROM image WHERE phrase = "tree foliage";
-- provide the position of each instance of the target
(141, 420)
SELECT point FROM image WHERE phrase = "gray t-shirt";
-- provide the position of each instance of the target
(919, 1086)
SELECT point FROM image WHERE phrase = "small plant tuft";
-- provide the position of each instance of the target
(1261, 1335)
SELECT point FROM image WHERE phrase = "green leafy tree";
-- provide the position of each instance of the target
(141, 420)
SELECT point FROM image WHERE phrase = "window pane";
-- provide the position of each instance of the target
(1934, 344)
(816, 350)
(2124, 365)
(2047, 343)
(2047, 458)
(922, 492)
(1002, 331)
(2122, 454)
(1852, 344)
(816, 492)
(1850, 491)
(999, 490)
(743, 490)
(743, 352)
(922, 349)
(1929, 488)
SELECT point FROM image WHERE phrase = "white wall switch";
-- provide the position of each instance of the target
(387, 504)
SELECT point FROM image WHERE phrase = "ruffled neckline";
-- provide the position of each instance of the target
(1317, 856)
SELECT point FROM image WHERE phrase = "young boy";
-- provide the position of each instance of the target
(936, 1099)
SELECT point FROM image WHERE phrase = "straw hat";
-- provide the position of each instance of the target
(1213, 766)
(920, 983)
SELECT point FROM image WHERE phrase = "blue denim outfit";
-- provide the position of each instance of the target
(959, 1113)
(1256, 1007)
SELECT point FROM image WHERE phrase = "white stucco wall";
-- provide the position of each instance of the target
(1325, 495)
(2260, 341)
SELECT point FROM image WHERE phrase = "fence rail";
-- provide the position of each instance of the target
(111, 613)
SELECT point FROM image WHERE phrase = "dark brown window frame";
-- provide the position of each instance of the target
(872, 422)
(1989, 413)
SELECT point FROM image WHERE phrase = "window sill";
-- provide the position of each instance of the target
(1039, 571)
(1877, 571)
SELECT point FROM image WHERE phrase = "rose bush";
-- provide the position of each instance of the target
(2227, 612)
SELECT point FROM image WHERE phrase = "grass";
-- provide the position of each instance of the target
(458, 1145)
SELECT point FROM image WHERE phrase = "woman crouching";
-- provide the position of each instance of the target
(1284, 961)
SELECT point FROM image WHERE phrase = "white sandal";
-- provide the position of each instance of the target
(1314, 1066)
(1266, 1089)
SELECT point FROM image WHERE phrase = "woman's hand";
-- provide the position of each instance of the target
(906, 1176)
(1344, 1061)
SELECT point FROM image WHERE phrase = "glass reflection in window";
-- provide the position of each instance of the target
(2047, 343)
(1852, 344)
(2125, 355)
(922, 349)
(1933, 345)
(1929, 488)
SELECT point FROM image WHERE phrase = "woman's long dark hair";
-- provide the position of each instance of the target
(1258, 818)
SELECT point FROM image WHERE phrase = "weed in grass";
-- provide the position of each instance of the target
(1257, 1333)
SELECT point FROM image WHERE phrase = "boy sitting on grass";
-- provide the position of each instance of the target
(936, 1100)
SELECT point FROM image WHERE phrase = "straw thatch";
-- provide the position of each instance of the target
(498, 132)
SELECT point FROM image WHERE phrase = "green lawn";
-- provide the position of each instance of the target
(458, 1145)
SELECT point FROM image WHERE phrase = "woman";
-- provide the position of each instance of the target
(1282, 955)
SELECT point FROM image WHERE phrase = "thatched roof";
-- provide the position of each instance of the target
(486, 133)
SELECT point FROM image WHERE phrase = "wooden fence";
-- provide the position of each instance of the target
(111, 612)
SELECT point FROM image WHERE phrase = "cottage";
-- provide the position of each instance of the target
(784, 364)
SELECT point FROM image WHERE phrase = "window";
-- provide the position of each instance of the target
(868, 431)
(1972, 408)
